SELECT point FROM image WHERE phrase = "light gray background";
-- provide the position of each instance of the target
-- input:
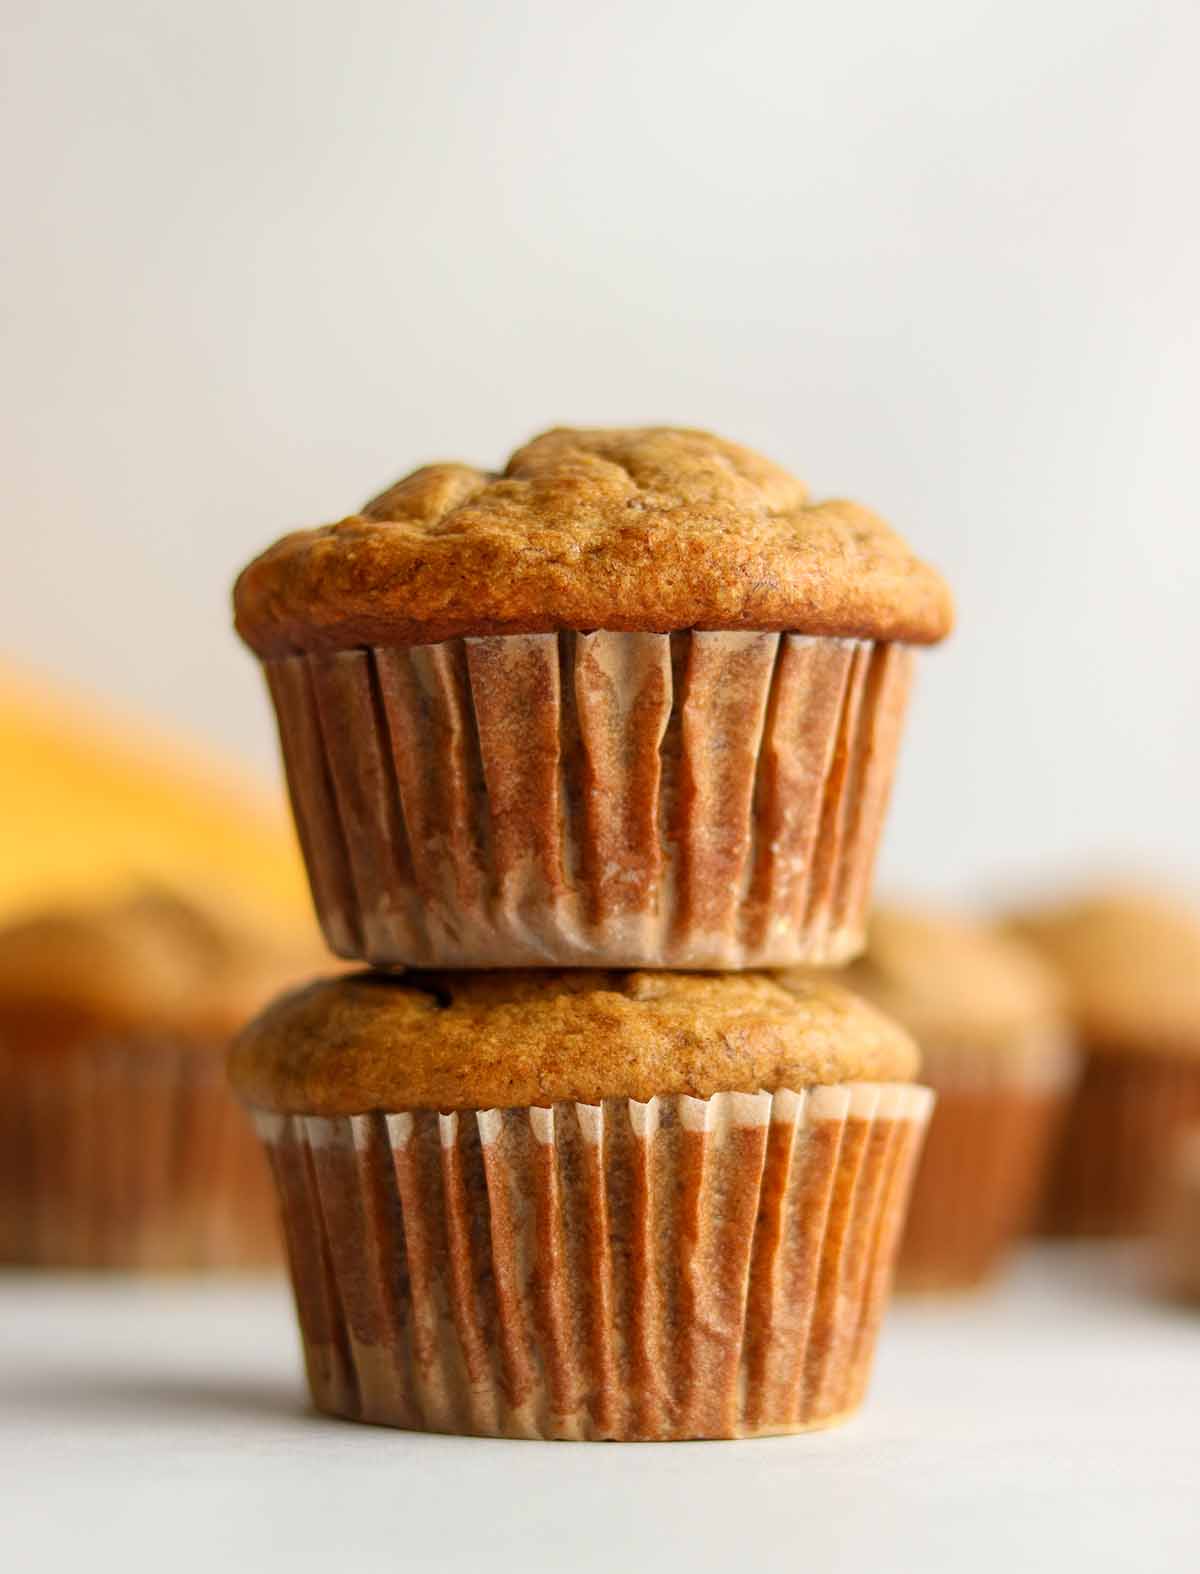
(942, 256)
(1045, 1428)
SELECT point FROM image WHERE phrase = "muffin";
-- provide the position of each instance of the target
(634, 701)
(120, 1145)
(1177, 1220)
(585, 1205)
(1130, 962)
(995, 1047)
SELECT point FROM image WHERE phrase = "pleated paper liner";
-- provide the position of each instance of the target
(130, 1156)
(985, 1161)
(683, 1268)
(1126, 1114)
(702, 800)
(1176, 1232)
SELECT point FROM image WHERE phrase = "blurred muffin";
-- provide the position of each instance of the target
(634, 701)
(995, 1047)
(1130, 963)
(120, 1146)
(586, 1205)
(1177, 1220)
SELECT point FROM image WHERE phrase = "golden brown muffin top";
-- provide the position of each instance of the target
(651, 528)
(150, 964)
(1130, 962)
(956, 984)
(499, 1040)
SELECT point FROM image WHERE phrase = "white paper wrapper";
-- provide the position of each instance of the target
(684, 1268)
(986, 1157)
(130, 1155)
(700, 800)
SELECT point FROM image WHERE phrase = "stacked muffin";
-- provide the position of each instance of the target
(633, 703)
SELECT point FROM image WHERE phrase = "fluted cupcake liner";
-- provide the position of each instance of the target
(1126, 1114)
(130, 1155)
(682, 1268)
(702, 800)
(985, 1160)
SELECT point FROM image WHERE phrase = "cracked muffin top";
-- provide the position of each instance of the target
(652, 528)
(346, 1046)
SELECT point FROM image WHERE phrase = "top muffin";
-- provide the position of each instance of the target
(651, 528)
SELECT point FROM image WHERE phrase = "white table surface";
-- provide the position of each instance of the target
(1053, 1424)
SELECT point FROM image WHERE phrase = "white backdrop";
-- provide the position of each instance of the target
(942, 256)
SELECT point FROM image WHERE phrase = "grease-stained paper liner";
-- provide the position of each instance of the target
(984, 1164)
(130, 1155)
(705, 800)
(682, 1268)
(1126, 1114)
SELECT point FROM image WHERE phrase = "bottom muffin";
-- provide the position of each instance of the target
(995, 1048)
(522, 1205)
(120, 1146)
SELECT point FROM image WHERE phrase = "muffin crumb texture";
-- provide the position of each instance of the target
(500, 1040)
(654, 529)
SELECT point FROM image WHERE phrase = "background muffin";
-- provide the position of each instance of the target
(1176, 1219)
(995, 1046)
(1130, 962)
(120, 1145)
(635, 700)
(586, 1205)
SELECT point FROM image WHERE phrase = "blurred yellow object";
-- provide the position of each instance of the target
(91, 803)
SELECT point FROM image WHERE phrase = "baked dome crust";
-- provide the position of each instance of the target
(505, 1039)
(653, 529)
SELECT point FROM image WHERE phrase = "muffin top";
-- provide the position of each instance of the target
(955, 983)
(1130, 961)
(497, 1040)
(151, 964)
(651, 528)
